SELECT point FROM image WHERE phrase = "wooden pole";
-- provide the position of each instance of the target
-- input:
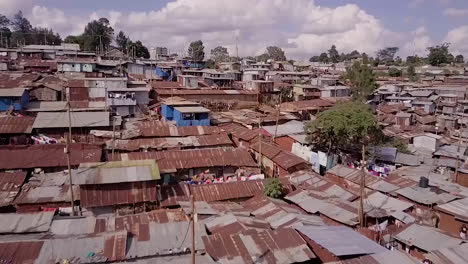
(113, 137)
(193, 228)
(362, 187)
(277, 116)
(458, 151)
(68, 154)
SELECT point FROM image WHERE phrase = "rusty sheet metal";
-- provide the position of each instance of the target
(47, 156)
(157, 216)
(16, 124)
(46, 195)
(10, 185)
(315, 104)
(183, 92)
(165, 129)
(169, 161)
(117, 193)
(282, 158)
(226, 191)
(251, 246)
(115, 246)
(205, 208)
(17, 79)
(239, 131)
(79, 94)
(20, 252)
(233, 224)
(170, 195)
(170, 142)
(25, 223)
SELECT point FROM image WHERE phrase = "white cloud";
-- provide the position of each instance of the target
(458, 37)
(454, 12)
(419, 42)
(300, 27)
(10, 7)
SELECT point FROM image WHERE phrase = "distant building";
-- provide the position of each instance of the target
(185, 113)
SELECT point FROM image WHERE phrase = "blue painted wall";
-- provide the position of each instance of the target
(17, 102)
(167, 112)
(203, 119)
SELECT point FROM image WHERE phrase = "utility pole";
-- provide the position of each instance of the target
(458, 151)
(277, 116)
(67, 150)
(113, 136)
(260, 143)
(362, 187)
(193, 228)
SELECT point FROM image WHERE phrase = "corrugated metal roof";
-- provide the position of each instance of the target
(73, 226)
(404, 217)
(12, 92)
(169, 161)
(10, 185)
(389, 257)
(117, 193)
(297, 106)
(116, 172)
(164, 129)
(426, 238)
(46, 156)
(380, 205)
(78, 119)
(452, 255)
(16, 124)
(192, 109)
(26, 223)
(178, 259)
(232, 224)
(341, 241)
(170, 142)
(239, 131)
(284, 159)
(458, 208)
(204, 208)
(290, 128)
(202, 92)
(43, 106)
(226, 191)
(251, 246)
(170, 195)
(17, 79)
(425, 195)
(20, 252)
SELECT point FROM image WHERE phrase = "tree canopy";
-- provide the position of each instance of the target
(122, 41)
(274, 188)
(196, 50)
(138, 50)
(344, 126)
(362, 80)
(275, 53)
(387, 54)
(394, 72)
(459, 59)
(333, 54)
(438, 54)
(411, 71)
(219, 54)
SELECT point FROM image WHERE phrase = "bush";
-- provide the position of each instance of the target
(274, 188)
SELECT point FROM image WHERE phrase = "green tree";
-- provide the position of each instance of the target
(459, 59)
(438, 54)
(262, 58)
(196, 50)
(323, 58)
(75, 39)
(122, 41)
(210, 64)
(98, 35)
(220, 54)
(333, 54)
(411, 71)
(138, 50)
(365, 59)
(45, 36)
(4, 21)
(22, 30)
(394, 72)
(274, 188)
(345, 126)
(276, 53)
(387, 54)
(314, 59)
(415, 60)
(361, 79)
(6, 32)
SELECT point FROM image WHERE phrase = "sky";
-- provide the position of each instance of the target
(303, 28)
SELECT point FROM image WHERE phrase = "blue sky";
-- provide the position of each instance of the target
(301, 27)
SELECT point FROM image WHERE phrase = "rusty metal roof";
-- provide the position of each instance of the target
(46, 156)
(239, 131)
(170, 142)
(170, 195)
(20, 252)
(10, 185)
(17, 79)
(315, 104)
(226, 191)
(16, 124)
(164, 129)
(116, 172)
(233, 224)
(169, 161)
(205, 208)
(283, 158)
(227, 93)
(117, 193)
(278, 246)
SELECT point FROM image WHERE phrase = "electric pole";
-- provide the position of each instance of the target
(362, 187)
(67, 150)
(193, 228)
(277, 116)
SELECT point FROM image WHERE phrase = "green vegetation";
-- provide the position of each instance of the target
(196, 50)
(362, 81)
(274, 188)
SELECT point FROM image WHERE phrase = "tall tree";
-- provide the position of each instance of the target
(438, 54)
(394, 72)
(138, 50)
(387, 54)
(220, 54)
(411, 71)
(333, 54)
(98, 35)
(196, 50)
(262, 58)
(324, 58)
(22, 30)
(459, 59)
(45, 36)
(75, 40)
(343, 127)
(361, 79)
(314, 59)
(276, 53)
(122, 41)
(365, 59)
(6, 32)
(413, 60)
(4, 21)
